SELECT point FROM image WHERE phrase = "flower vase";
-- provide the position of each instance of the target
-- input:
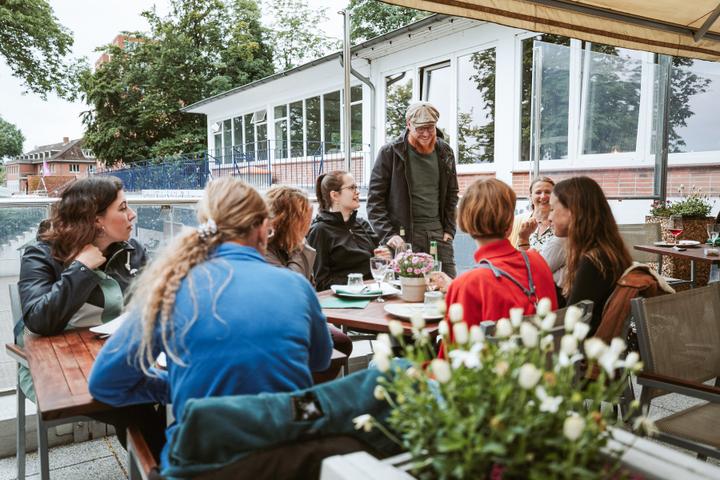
(413, 289)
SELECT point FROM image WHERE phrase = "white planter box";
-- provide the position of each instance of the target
(651, 459)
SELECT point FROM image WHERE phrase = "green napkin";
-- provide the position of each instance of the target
(339, 302)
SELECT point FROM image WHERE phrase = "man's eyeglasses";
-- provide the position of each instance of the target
(354, 188)
(425, 129)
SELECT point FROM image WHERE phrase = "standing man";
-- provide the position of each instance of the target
(414, 187)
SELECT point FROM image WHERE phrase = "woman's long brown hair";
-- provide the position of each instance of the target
(73, 217)
(593, 232)
(290, 211)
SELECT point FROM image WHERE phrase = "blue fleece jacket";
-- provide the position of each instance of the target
(257, 329)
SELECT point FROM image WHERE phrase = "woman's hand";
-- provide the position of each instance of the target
(383, 252)
(526, 228)
(440, 280)
(90, 256)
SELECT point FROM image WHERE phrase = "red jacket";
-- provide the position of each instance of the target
(485, 297)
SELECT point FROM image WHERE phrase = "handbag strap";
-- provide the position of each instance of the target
(498, 272)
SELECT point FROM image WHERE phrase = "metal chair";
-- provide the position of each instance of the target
(17, 353)
(646, 234)
(679, 337)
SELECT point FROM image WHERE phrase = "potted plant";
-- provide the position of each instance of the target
(511, 406)
(694, 207)
(411, 267)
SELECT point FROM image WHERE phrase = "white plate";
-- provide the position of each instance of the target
(689, 243)
(407, 310)
(370, 291)
(110, 327)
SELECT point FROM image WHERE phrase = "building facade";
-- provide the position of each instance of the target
(596, 107)
(49, 167)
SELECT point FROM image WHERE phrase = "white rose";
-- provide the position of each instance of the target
(441, 370)
(379, 393)
(503, 328)
(632, 361)
(529, 376)
(548, 322)
(443, 328)
(418, 322)
(573, 427)
(572, 316)
(396, 328)
(547, 342)
(516, 316)
(617, 346)
(581, 330)
(456, 312)
(476, 334)
(382, 361)
(544, 306)
(594, 347)
(609, 362)
(364, 422)
(460, 332)
(501, 368)
(529, 334)
(568, 345)
(384, 339)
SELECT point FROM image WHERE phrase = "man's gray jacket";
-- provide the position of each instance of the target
(389, 203)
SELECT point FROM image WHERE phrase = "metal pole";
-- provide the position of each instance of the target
(535, 112)
(346, 70)
(662, 125)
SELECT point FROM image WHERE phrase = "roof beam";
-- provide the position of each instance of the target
(708, 23)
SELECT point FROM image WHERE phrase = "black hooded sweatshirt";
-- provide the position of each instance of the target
(342, 247)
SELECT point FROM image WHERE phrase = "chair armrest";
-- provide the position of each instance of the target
(678, 385)
(140, 457)
(17, 353)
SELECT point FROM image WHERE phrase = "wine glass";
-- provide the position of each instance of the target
(676, 226)
(713, 231)
(432, 286)
(378, 267)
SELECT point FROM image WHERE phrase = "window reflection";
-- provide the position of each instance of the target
(435, 88)
(398, 95)
(476, 107)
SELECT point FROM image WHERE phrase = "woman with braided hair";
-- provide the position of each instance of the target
(213, 305)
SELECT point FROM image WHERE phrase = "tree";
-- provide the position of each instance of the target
(684, 83)
(36, 47)
(203, 47)
(294, 33)
(398, 97)
(11, 139)
(371, 18)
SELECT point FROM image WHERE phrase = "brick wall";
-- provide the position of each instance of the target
(622, 182)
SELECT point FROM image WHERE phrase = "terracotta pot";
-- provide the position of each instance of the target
(413, 289)
(694, 228)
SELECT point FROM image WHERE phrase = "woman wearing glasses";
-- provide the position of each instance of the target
(344, 243)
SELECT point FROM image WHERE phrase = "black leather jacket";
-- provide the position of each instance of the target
(51, 293)
(341, 247)
(389, 203)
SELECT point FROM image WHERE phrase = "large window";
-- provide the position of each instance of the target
(556, 88)
(435, 82)
(476, 107)
(694, 106)
(227, 141)
(331, 111)
(356, 118)
(281, 131)
(398, 95)
(297, 142)
(314, 125)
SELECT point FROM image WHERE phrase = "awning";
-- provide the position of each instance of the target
(685, 28)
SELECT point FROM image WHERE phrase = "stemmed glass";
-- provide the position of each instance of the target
(432, 286)
(713, 231)
(378, 267)
(676, 226)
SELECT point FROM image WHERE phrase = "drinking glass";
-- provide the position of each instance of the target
(676, 226)
(355, 280)
(378, 267)
(713, 231)
(432, 286)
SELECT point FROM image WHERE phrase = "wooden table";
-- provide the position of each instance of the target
(694, 254)
(372, 318)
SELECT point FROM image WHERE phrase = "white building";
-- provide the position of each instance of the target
(598, 108)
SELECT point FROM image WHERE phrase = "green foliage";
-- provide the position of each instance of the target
(202, 48)
(371, 18)
(477, 143)
(16, 221)
(11, 139)
(694, 204)
(397, 100)
(35, 47)
(683, 84)
(294, 33)
(511, 406)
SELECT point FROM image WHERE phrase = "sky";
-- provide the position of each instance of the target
(93, 23)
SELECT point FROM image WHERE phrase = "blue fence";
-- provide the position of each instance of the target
(186, 172)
